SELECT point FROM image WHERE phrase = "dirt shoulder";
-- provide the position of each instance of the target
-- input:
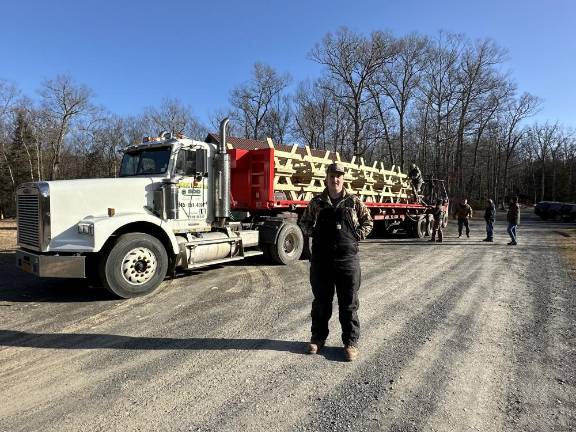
(568, 250)
(7, 239)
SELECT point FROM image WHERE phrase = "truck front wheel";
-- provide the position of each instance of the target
(135, 266)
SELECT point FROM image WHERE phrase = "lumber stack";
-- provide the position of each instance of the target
(299, 175)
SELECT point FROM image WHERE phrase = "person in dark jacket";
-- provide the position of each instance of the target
(463, 213)
(513, 218)
(336, 220)
(490, 218)
(438, 215)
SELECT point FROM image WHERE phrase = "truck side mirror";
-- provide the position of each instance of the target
(202, 162)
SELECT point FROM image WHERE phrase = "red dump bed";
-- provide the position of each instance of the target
(252, 184)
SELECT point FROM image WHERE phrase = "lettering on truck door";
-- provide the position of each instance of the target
(192, 190)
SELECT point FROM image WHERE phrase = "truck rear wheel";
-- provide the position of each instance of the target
(135, 266)
(289, 244)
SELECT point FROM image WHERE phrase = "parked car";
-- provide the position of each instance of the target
(568, 212)
(548, 209)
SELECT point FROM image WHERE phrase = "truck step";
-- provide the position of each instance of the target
(252, 253)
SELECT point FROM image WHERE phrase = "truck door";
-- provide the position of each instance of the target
(192, 187)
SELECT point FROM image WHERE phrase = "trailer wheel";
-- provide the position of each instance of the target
(419, 227)
(135, 266)
(289, 245)
(429, 225)
(445, 221)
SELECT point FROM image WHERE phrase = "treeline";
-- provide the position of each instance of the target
(442, 102)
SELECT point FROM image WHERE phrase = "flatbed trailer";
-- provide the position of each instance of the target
(272, 182)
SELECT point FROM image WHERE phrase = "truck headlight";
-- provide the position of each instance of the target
(86, 228)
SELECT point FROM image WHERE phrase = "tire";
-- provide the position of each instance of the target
(135, 265)
(429, 225)
(445, 221)
(419, 227)
(289, 244)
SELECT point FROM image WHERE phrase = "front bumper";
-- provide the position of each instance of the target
(62, 266)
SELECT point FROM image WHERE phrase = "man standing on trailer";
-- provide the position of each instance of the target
(335, 220)
(416, 179)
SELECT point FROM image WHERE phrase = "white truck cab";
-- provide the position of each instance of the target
(168, 209)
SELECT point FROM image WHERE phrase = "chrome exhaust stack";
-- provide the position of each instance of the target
(222, 179)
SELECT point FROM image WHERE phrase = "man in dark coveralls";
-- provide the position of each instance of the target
(335, 220)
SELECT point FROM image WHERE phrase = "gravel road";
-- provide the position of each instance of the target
(459, 336)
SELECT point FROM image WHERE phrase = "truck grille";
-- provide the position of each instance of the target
(28, 220)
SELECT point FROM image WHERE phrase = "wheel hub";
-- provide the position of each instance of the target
(289, 244)
(139, 266)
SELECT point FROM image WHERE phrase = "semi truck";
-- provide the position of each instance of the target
(179, 204)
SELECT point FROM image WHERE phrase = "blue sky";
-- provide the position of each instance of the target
(134, 53)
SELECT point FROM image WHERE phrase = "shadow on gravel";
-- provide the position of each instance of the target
(18, 286)
(335, 354)
(446, 242)
(11, 338)
(55, 291)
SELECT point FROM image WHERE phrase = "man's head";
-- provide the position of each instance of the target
(439, 203)
(490, 202)
(514, 200)
(413, 165)
(464, 201)
(335, 178)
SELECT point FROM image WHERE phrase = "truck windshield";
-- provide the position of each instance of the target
(144, 162)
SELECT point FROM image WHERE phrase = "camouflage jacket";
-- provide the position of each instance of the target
(360, 216)
(437, 213)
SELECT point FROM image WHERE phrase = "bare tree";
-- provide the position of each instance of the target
(172, 116)
(476, 76)
(253, 101)
(351, 60)
(312, 113)
(8, 95)
(276, 124)
(543, 138)
(397, 81)
(439, 99)
(516, 111)
(62, 101)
